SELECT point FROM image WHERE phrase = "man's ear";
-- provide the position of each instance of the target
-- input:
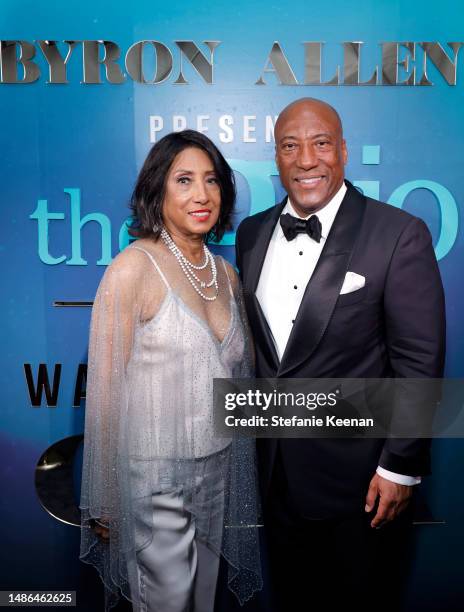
(344, 152)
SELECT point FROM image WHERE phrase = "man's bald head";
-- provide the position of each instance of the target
(311, 104)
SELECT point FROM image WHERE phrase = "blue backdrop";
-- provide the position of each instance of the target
(71, 150)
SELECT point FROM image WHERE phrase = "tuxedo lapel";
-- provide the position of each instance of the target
(251, 273)
(324, 286)
(258, 252)
(262, 334)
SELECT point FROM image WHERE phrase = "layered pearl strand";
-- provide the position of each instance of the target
(188, 267)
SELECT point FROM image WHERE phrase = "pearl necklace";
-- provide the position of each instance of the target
(187, 267)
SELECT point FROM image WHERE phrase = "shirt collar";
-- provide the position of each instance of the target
(326, 215)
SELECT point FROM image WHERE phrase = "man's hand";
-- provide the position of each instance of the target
(393, 499)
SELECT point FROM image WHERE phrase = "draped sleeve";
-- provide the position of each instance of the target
(115, 314)
(242, 520)
(246, 367)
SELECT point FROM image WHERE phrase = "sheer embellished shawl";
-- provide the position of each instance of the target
(155, 347)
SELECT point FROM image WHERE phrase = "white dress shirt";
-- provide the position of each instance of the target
(287, 269)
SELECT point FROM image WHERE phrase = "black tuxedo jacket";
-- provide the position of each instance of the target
(393, 327)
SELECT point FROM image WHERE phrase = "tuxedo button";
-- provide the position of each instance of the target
(300, 253)
(295, 286)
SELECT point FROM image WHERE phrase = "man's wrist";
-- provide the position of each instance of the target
(402, 479)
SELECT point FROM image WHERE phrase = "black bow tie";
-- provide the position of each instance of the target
(291, 226)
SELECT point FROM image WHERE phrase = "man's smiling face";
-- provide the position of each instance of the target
(310, 154)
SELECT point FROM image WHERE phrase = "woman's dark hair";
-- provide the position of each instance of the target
(148, 195)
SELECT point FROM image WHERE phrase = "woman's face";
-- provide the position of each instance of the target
(193, 198)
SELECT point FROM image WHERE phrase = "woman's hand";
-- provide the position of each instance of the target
(101, 529)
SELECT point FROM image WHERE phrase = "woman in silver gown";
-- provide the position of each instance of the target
(164, 495)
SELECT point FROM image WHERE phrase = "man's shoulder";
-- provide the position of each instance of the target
(389, 216)
(258, 218)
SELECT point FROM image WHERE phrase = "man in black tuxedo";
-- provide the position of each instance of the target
(337, 285)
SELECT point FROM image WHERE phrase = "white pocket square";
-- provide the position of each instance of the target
(352, 282)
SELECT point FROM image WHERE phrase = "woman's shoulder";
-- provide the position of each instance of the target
(132, 263)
